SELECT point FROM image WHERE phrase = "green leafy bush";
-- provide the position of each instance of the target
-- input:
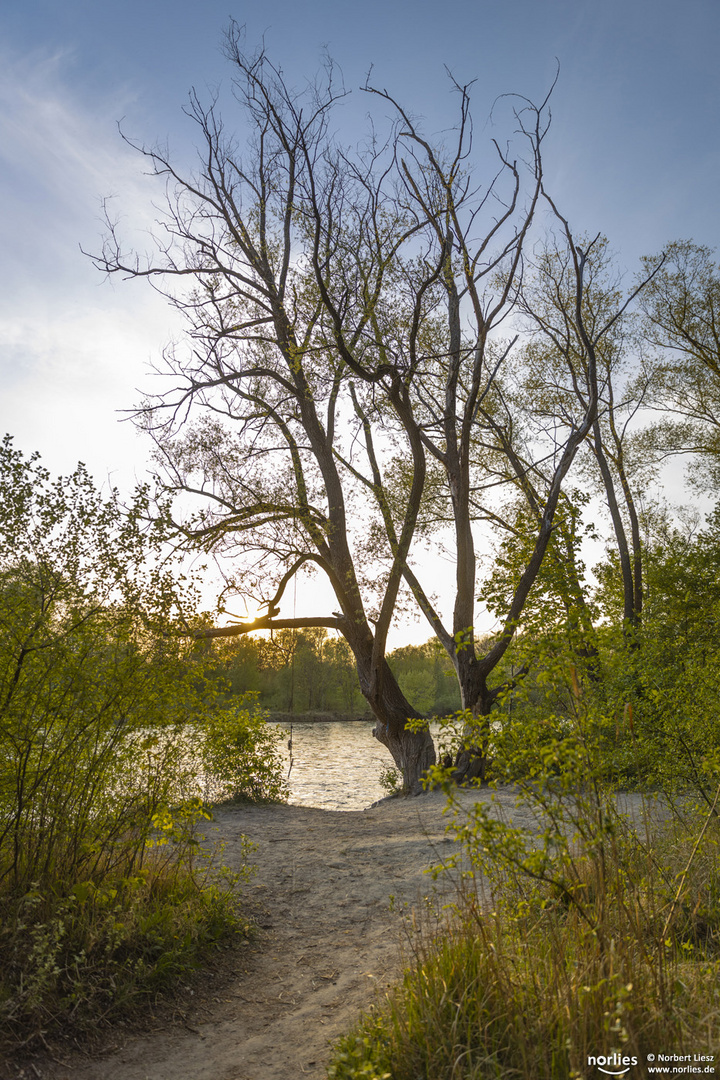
(576, 930)
(239, 751)
(104, 893)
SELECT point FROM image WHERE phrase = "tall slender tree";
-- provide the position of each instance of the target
(555, 376)
(681, 322)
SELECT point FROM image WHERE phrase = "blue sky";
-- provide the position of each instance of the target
(634, 152)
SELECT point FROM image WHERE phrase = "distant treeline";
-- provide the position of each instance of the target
(308, 671)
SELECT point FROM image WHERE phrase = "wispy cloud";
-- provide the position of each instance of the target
(60, 154)
(72, 349)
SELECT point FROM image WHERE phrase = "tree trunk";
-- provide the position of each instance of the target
(412, 752)
(472, 759)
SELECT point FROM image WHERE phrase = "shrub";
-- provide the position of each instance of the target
(239, 751)
(594, 935)
(104, 896)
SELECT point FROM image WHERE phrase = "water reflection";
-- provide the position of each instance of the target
(336, 764)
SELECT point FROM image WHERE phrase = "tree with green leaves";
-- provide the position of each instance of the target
(681, 323)
(90, 660)
(110, 734)
(614, 461)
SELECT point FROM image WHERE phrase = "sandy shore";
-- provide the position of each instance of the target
(330, 896)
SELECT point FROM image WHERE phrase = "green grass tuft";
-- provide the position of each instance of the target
(613, 948)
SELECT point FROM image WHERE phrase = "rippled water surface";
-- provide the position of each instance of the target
(336, 765)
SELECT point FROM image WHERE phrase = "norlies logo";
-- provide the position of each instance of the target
(612, 1064)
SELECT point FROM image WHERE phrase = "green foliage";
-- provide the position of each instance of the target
(74, 957)
(660, 695)
(101, 898)
(522, 987)
(301, 671)
(577, 930)
(681, 316)
(683, 586)
(240, 753)
(426, 677)
(91, 669)
(558, 603)
(293, 671)
(390, 780)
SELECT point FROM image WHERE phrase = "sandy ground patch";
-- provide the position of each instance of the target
(330, 934)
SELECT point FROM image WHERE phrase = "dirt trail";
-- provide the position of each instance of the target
(328, 939)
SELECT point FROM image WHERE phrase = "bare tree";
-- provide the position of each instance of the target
(344, 364)
(464, 416)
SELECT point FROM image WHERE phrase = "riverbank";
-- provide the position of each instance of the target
(329, 897)
(318, 718)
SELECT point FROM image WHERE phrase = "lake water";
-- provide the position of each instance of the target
(336, 764)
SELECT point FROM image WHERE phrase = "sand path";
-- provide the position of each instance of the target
(329, 936)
